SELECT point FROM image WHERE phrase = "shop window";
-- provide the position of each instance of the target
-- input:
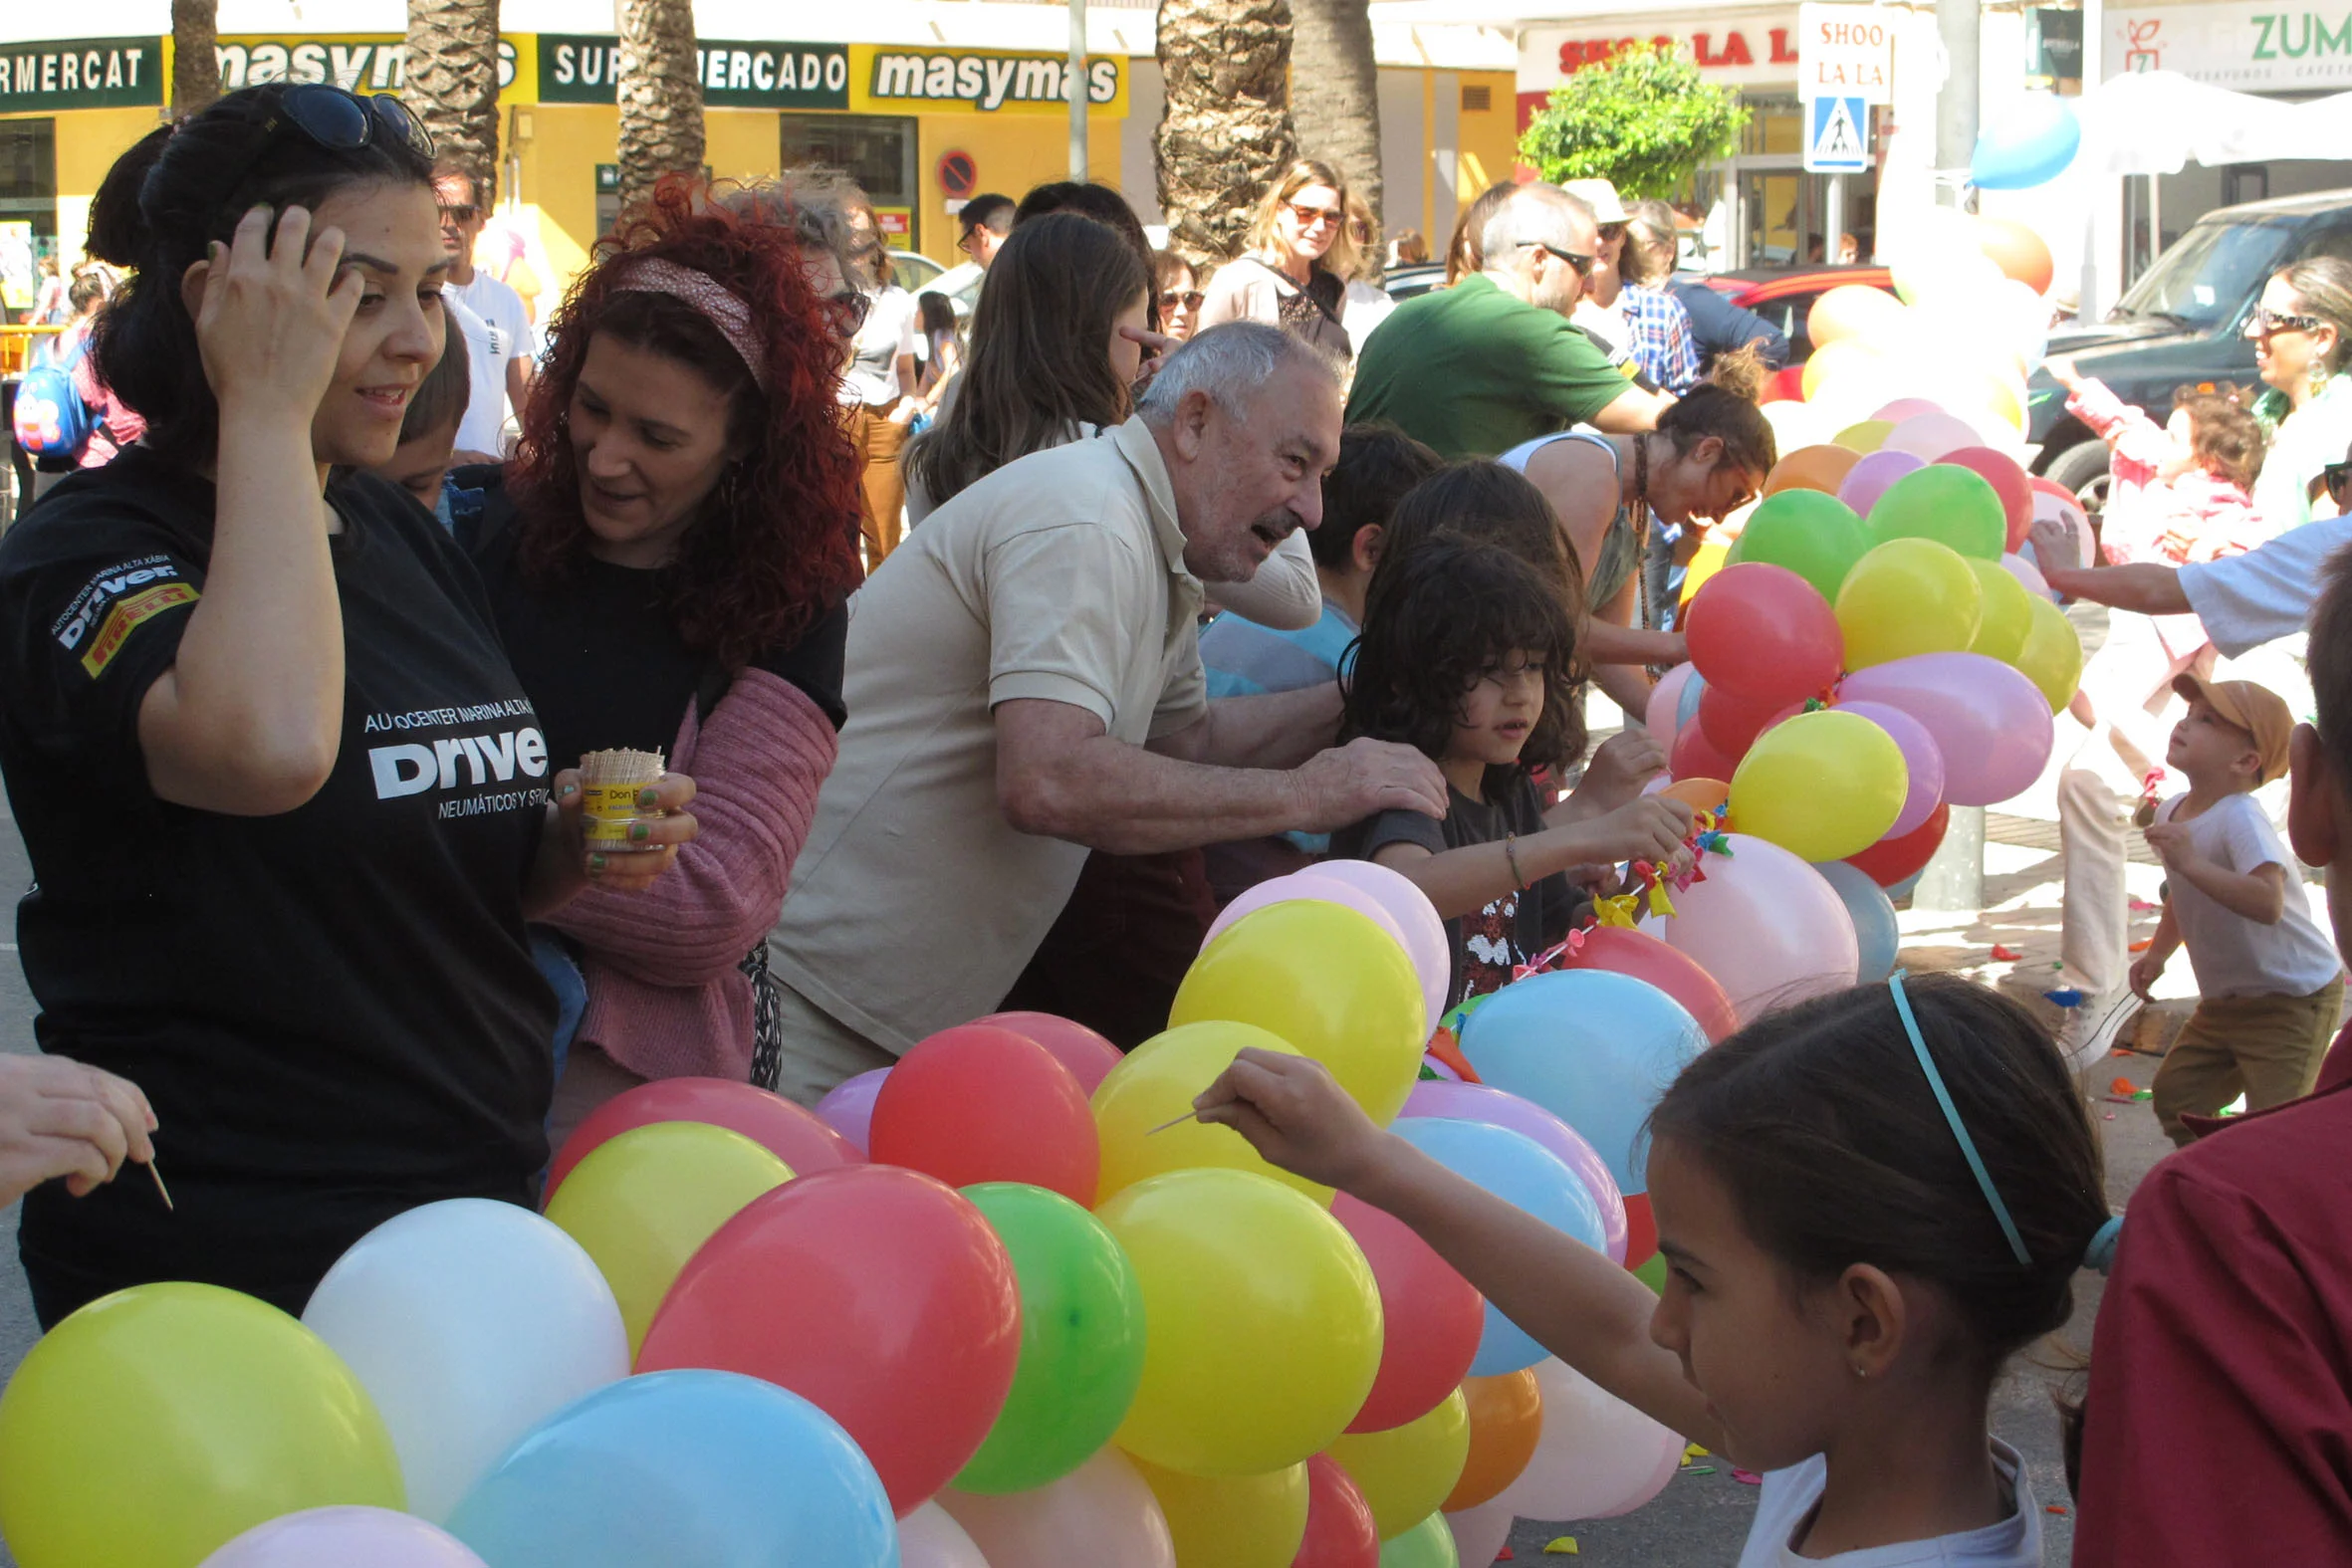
(1775, 124)
(1477, 99)
(877, 151)
(28, 207)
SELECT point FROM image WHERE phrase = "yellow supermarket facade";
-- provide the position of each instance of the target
(921, 125)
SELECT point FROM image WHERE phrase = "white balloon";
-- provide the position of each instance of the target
(1597, 1456)
(469, 1321)
(1481, 1533)
(1768, 928)
(1101, 1514)
(2024, 572)
(930, 1538)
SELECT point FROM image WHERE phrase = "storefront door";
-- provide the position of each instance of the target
(877, 151)
(28, 208)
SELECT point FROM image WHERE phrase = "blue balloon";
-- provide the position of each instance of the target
(2026, 145)
(689, 1469)
(1526, 1175)
(1686, 703)
(1908, 886)
(1875, 930)
(1596, 1049)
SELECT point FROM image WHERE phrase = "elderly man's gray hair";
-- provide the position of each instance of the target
(1535, 215)
(1231, 364)
(815, 203)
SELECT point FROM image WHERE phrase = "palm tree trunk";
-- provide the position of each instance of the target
(449, 76)
(195, 55)
(1226, 128)
(1335, 92)
(660, 96)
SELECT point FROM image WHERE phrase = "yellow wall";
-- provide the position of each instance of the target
(1488, 137)
(1011, 153)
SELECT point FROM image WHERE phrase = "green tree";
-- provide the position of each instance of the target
(1644, 120)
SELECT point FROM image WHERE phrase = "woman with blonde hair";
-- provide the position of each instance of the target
(1294, 273)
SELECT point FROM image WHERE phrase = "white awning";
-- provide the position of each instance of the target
(2159, 121)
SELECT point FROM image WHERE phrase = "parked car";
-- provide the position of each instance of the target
(2182, 325)
(1402, 283)
(919, 274)
(1784, 296)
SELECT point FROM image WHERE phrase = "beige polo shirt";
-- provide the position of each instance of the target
(914, 905)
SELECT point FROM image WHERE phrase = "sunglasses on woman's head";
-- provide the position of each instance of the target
(1190, 299)
(338, 122)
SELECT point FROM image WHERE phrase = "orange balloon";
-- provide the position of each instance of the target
(1851, 310)
(1821, 468)
(1505, 1420)
(1700, 795)
(2017, 251)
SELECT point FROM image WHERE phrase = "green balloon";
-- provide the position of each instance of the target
(1081, 1340)
(1947, 503)
(1653, 1272)
(1429, 1545)
(1815, 535)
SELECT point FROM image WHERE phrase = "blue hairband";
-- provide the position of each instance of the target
(1959, 1131)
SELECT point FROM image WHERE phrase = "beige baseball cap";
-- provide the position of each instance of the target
(2257, 710)
(1602, 196)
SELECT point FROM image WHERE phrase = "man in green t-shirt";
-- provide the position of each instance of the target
(1478, 369)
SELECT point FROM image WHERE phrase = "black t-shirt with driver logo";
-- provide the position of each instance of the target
(333, 1011)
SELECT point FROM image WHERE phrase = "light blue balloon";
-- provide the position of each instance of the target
(2029, 144)
(1877, 935)
(1686, 703)
(1908, 886)
(1526, 1175)
(689, 1469)
(1596, 1049)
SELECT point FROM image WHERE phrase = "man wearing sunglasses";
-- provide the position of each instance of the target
(497, 328)
(1493, 362)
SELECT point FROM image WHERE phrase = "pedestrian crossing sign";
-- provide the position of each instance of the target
(1837, 140)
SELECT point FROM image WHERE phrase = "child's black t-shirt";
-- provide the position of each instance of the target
(1511, 929)
(333, 1011)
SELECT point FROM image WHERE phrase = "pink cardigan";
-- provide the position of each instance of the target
(664, 995)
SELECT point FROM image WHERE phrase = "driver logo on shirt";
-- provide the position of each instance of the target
(114, 605)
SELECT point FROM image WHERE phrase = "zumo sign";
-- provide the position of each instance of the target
(82, 73)
(2249, 47)
(582, 70)
(987, 82)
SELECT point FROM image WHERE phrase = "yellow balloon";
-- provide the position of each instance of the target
(2052, 655)
(1158, 1080)
(1328, 981)
(1231, 1521)
(1907, 596)
(1833, 361)
(644, 1201)
(1822, 785)
(2007, 611)
(1705, 564)
(1266, 1328)
(1866, 437)
(1406, 1472)
(159, 1423)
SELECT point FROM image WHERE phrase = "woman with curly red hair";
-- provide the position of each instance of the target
(667, 557)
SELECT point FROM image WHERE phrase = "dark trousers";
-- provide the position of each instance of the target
(1120, 949)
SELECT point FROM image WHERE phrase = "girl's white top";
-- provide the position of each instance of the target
(1789, 1497)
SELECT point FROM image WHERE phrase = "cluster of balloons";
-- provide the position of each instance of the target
(975, 1312)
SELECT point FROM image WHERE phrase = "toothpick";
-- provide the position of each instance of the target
(1173, 1121)
(161, 1191)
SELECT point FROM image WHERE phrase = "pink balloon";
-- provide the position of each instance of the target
(2024, 572)
(929, 1538)
(1921, 754)
(1770, 929)
(1665, 704)
(1444, 1074)
(1597, 1456)
(1929, 436)
(1903, 408)
(1992, 724)
(1101, 1514)
(1415, 916)
(1481, 1533)
(849, 1107)
(347, 1537)
(1869, 479)
(1479, 1103)
(2049, 508)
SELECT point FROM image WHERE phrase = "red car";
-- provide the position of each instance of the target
(1784, 296)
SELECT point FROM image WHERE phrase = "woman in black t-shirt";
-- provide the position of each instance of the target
(286, 802)
(667, 559)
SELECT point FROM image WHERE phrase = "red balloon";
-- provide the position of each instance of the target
(1693, 755)
(1088, 1056)
(878, 1294)
(2008, 479)
(1433, 1318)
(1892, 860)
(1785, 386)
(794, 1134)
(1641, 1231)
(979, 1103)
(1764, 633)
(1670, 969)
(1732, 722)
(1340, 1532)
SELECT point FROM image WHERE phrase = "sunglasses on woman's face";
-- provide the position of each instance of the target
(1308, 216)
(2337, 477)
(1170, 299)
(849, 309)
(2267, 321)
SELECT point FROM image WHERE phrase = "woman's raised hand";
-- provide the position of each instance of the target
(271, 313)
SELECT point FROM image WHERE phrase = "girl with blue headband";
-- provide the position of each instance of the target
(1866, 1203)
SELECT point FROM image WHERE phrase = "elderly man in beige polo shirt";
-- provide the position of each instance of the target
(1024, 685)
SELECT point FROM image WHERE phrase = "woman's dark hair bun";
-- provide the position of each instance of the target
(115, 229)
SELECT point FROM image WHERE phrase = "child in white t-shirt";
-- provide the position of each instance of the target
(2270, 985)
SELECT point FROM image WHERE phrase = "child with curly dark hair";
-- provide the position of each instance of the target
(1470, 656)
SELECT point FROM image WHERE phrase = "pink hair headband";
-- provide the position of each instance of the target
(718, 304)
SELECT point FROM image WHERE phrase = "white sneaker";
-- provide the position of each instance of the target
(2091, 1027)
